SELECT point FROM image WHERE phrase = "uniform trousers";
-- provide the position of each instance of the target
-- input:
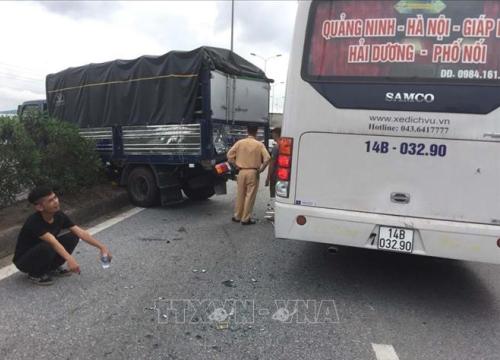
(248, 184)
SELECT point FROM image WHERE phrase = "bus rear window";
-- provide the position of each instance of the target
(407, 41)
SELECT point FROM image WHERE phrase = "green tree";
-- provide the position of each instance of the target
(19, 159)
(67, 161)
(40, 150)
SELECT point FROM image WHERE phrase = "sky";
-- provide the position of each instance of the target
(42, 37)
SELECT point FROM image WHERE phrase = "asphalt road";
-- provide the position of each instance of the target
(163, 298)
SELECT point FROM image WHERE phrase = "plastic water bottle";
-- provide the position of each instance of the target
(105, 261)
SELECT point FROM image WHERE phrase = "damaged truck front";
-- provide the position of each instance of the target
(162, 123)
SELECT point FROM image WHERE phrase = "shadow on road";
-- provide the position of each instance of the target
(405, 281)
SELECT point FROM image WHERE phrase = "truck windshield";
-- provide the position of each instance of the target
(406, 41)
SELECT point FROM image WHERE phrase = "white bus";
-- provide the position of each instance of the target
(391, 134)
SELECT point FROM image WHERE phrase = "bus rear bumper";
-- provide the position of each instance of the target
(445, 239)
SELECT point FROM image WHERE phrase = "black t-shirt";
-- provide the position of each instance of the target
(35, 226)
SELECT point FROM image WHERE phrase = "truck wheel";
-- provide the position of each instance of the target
(200, 193)
(142, 189)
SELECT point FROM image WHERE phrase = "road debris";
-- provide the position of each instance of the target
(283, 315)
(218, 315)
(223, 325)
(229, 283)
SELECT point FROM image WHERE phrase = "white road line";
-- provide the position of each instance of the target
(385, 352)
(108, 223)
(9, 270)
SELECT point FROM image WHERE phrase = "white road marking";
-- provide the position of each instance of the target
(385, 352)
(9, 270)
(108, 223)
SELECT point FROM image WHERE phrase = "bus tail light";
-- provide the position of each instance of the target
(283, 170)
(284, 161)
(283, 174)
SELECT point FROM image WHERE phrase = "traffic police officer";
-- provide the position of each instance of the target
(251, 158)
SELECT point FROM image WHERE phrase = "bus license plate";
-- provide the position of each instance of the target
(395, 239)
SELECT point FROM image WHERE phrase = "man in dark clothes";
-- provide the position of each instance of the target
(40, 250)
(273, 165)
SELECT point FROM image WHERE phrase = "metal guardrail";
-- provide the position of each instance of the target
(167, 139)
(102, 136)
(150, 139)
(162, 139)
(97, 133)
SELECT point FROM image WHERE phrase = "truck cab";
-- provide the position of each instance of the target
(32, 105)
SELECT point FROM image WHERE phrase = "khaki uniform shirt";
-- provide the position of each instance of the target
(248, 153)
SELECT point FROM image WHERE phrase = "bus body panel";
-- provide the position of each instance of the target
(453, 183)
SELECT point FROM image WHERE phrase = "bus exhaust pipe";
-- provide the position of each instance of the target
(269, 215)
(333, 250)
(270, 212)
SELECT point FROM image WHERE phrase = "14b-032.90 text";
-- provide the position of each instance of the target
(416, 149)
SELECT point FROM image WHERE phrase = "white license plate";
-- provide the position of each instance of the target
(395, 239)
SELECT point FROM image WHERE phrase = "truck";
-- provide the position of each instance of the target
(32, 105)
(162, 123)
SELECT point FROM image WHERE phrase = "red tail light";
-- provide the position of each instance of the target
(284, 161)
(223, 168)
(286, 145)
(283, 174)
(283, 171)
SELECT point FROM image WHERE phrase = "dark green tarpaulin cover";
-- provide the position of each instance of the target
(153, 90)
